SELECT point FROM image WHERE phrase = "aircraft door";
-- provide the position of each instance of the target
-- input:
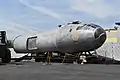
(31, 43)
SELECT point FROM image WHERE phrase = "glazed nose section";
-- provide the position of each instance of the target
(100, 34)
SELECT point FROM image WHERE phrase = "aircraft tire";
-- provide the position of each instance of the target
(7, 56)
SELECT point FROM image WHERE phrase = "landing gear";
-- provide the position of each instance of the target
(64, 58)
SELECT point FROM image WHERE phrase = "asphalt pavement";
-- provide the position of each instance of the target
(57, 71)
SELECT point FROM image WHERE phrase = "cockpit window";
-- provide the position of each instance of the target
(79, 27)
(84, 27)
(87, 27)
(93, 25)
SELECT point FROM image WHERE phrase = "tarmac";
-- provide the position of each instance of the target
(40, 71)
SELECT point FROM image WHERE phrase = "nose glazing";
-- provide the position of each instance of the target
(98, 32)
(100, 36)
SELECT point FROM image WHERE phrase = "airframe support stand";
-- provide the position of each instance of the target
(90, 54)
(48, 58)
(83, 58)
(64, 58)
(83, 55)
(77, 58)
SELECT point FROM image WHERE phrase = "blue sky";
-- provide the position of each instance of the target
(21, 16)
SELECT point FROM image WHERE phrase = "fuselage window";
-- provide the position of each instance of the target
(83, 28)
(70, 30)
(87, 27)
(79, 27)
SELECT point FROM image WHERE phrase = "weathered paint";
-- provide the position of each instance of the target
(68, 38)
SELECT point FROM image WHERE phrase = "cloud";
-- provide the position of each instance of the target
(14, 29)
(98, 8)
(42, 9)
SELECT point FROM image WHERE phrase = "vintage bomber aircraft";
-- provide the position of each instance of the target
(71, 38)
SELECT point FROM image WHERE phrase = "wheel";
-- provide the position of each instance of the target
(7, 56)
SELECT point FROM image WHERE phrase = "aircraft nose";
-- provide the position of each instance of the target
(100, 34)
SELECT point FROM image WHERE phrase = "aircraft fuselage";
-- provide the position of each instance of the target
(70, 38)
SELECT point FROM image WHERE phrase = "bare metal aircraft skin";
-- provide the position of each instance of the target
(70, 38)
